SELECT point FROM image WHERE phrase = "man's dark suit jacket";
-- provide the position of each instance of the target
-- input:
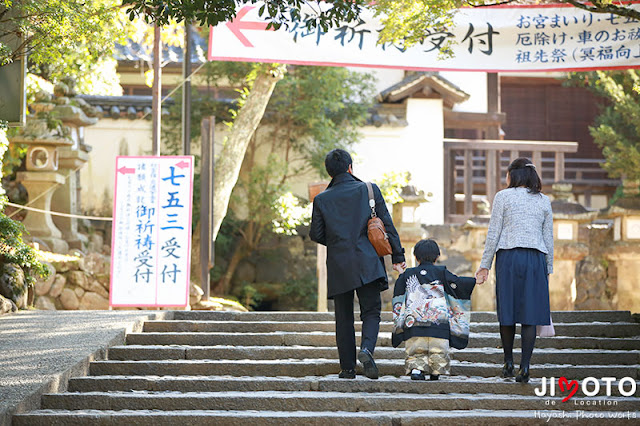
(339, 221)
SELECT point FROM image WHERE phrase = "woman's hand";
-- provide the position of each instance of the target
(482, 274)
(400, 267)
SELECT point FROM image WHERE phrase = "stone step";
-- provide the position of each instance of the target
(477, 340)
(476, 316)
(586, 329)
(386, 384)
(323, 367)
(310, 418)
(491, 355)
(322, 401)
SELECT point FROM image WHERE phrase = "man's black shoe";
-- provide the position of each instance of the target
(347, 374)
(434, 377)
(370, 368)
(417, 376)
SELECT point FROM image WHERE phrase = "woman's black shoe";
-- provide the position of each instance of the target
(523, 375)
(434, 377)
(507, 369)
(347, 374)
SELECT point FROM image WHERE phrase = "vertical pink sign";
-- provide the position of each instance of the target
(151, 236)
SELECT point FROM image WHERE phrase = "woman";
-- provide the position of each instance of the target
(521, 237)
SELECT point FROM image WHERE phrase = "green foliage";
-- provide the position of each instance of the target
(66, 38)
(290, 214)
(302, 292)
(409, 22)
(259, 190)
(391, 185)
(316, 109)
(312, 110)
(12, 247)
(277, 12)
(4, 145)
(617, 129)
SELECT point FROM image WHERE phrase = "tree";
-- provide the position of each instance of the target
(313, 110)
(409, 21)
(404, 21)
(616, 130)
(278, 12)
(255, 97)
(65, 38)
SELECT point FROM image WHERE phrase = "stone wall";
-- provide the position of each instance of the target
(76, 283)
(584, 278)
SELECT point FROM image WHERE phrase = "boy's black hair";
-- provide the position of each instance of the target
(522, 172)
(337, 162)
(426, 251)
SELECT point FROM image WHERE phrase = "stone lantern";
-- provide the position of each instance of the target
(568, 251)
(407, 222)
(71, 111)
(625, 251)
(42, 177)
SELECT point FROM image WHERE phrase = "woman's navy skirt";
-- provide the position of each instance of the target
(522, 287)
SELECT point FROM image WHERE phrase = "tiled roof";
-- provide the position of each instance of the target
(137, 52)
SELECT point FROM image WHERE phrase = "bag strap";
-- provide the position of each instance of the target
(372, 202)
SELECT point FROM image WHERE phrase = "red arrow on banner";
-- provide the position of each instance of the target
(183, 164)
(236, 26)
(125, 171)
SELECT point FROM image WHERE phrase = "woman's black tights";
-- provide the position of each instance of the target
(528, 335)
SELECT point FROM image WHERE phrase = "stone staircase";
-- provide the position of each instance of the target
(268, 368)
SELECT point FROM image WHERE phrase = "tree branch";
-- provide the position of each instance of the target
(492, 4)
(605, 8)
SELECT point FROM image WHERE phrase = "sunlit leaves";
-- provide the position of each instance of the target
(617, 129)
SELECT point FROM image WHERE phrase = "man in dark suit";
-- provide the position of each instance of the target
(339, 221)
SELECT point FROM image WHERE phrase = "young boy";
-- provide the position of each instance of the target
(431, 311)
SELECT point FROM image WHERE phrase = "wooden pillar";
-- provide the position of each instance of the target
(322, 278)
(156, 92)
(186, 91)
(493, 102)
(468, 182)
(559, 167)
(537, 160)
(206, 202)
(491, 174)
(449, 184)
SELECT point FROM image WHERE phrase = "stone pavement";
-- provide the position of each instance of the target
(41, 350)
(280, 368)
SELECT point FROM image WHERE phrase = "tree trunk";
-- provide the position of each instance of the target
(230, 159)
(224, 285)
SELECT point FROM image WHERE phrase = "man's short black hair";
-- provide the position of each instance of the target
(426, 251)
(337, 162)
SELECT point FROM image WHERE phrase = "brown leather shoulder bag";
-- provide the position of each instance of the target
(375, 228)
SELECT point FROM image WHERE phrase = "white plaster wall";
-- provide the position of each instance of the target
(108, 139)
(417, 148)
(473, 83)
(385, 78)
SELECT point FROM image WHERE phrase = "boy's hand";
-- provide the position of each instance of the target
(482, 274)
(400, 267)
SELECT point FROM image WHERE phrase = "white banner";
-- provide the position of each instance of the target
(151, 237)
(490, 39)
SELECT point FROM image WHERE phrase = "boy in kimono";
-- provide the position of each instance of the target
(431, 312)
